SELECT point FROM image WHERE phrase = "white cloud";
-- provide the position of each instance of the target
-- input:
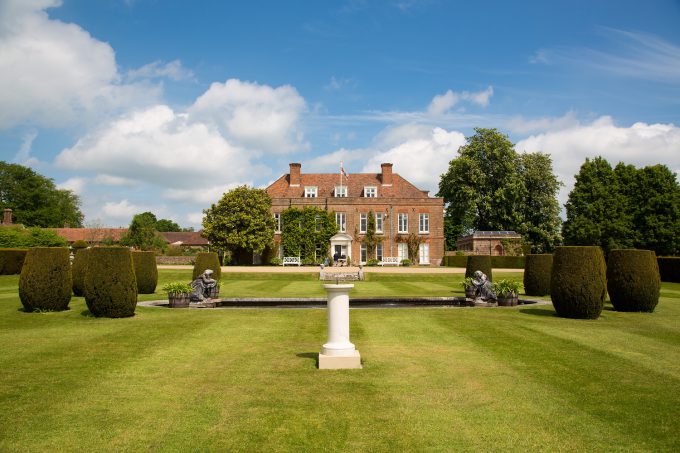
(195, 218)
(109, 180)
(254, 116)
(53, 73)
(157, 69)
(23, 156)
(159, 146)
(76, 185)
(202, 196)
(640, 144)
(442, 103)
(123, 210)
(521, 125)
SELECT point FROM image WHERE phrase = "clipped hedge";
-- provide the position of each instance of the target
(11, 261)
(110, 284)
(507, 262)
(479, 263)
(78, 269)
(45, 281)
(207, 260)
(146, 271)
(455, 261)
(578, 282)
(537, 270)
(669, 268)
(633, 280)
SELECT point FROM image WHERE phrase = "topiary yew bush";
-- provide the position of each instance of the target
(45, 281)
(110, 284)
(578, 282)
(479, 263)
(11, 261)
(537, 269)
(207, 260)
(78, 269)
(633, 280)
(146, 271)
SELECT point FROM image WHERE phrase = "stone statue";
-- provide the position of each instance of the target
(482, 285)
(203, 286)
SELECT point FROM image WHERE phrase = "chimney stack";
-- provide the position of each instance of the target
(295, 179)
(7, 219)
(386, 174)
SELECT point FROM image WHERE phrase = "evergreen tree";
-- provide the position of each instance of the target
(142, 233)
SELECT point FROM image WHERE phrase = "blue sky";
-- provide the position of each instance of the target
(163, 105)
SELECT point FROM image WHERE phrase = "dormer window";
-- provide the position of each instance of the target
(311, 191)
(341, 191)
(370, 192)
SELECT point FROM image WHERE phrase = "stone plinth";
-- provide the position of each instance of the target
(338, 352)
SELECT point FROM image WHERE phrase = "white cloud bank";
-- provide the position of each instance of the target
(442, 103)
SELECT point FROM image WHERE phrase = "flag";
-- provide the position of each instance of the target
(342, 170)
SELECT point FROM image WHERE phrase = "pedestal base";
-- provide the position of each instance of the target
(340, 362)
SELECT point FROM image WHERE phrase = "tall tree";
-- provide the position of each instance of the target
(597, 211)
(240, 221)
(142, 233)
(165, 225)
(35, 200)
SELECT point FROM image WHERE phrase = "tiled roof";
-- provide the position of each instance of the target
(90, 234)
(493, 235)
(190, 238)
(355, 183)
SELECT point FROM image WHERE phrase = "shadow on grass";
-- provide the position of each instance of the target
(537, 312)
(309, 355)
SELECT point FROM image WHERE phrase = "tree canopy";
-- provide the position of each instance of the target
(142, 233)
(240, 221)
(35, 200)
(166, 225)
(489, 186)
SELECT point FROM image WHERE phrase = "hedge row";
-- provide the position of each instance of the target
(669, 268)
(11, 261)
(497, 262)
(45, 281)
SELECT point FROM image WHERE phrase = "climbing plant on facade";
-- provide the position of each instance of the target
(307, 232)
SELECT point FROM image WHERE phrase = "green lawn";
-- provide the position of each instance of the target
(434, 379)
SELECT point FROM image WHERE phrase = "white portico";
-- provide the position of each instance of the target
(341, 243)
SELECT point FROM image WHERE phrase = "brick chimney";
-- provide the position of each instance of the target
(7, 218)
(294, 180)
(386, 176)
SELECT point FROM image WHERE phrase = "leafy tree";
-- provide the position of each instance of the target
(19, 237)
(597, 210)
(306, 231)
(142, 233)
(35, 200)
(165, 225)
(240, 221)
(489, 186)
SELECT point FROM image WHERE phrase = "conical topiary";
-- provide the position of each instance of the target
(633, 280)
(110, 284)
(45, 281)
(207, 260)
(146, 271)
(78, 269)
(537, 270)
(479, 263)
(578, 282)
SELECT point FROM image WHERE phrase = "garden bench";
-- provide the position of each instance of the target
(389, 261)
(291, 261)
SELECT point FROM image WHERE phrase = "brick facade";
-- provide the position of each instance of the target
(492, 243)
(393, 196)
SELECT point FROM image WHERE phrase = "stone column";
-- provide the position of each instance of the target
(338, 352)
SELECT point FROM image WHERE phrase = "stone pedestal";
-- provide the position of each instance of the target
(338, 352)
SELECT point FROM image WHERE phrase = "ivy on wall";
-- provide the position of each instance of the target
(304, 231)
(369, 238)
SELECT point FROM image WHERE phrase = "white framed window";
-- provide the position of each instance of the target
(318, 253)
(424, 223)
(370, 191)
(424, 254)
(363, 253)
(402, 223)
(363, 222)
(317, 223)
(277, 222)
(341, 191)
(379, 222)
(402, 251)
(340, 220)
(379, 251)
(311, 191)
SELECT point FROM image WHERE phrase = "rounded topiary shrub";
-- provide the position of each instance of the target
(207, 260)
(110, 284)
(578, 282)
(479, 263)
(78, 269)
(537, 270)
(11, 261)
(79, 245)
(45, 281)
(633, 280)
(146, 271)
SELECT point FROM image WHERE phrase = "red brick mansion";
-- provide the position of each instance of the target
(399, 207)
